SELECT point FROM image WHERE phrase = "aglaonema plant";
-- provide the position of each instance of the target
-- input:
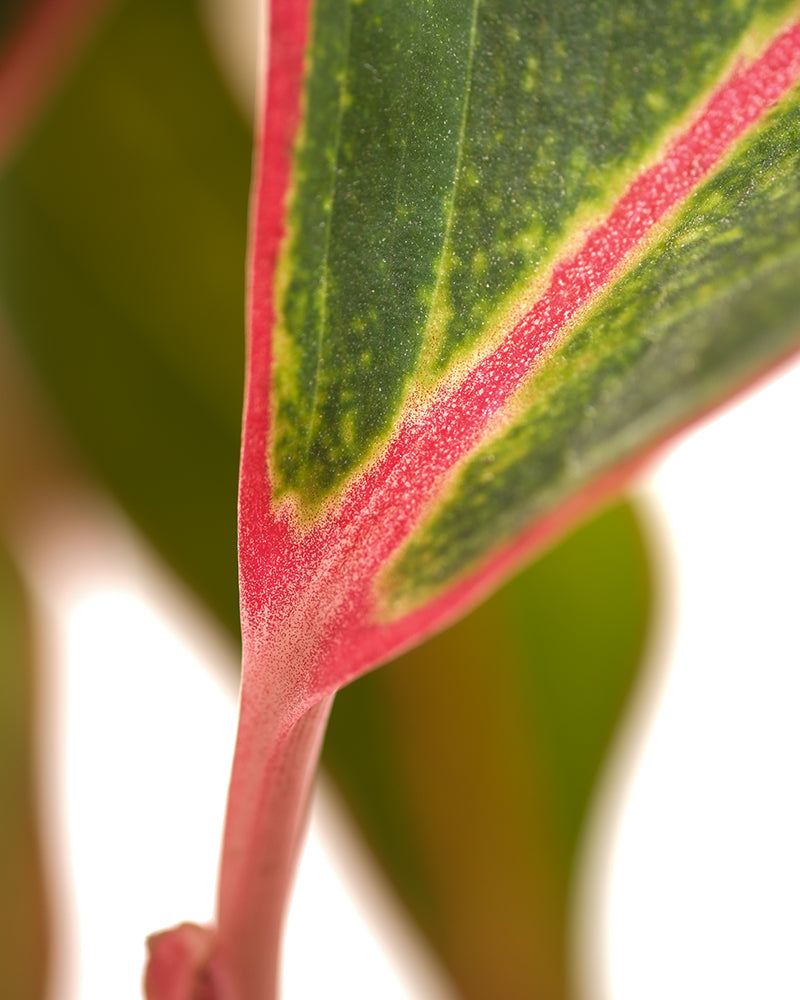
(499, 253)
(512, 760)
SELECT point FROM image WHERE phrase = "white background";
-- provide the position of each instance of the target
(691, 886)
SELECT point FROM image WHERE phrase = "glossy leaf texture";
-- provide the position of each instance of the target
(501, 251)
(23, 913)
(470, 762)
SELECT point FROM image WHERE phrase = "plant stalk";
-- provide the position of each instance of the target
(274, 764)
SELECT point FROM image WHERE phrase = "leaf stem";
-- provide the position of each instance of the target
(273, 771)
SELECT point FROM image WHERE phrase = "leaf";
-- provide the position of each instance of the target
(23, 917)
(451, 521)
(139, 240)
(470, 762)
(501, 252)
(58, 225)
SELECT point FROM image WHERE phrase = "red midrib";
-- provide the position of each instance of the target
(338, 560)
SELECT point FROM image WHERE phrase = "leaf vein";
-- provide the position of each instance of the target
(325, 265)
(432, 338)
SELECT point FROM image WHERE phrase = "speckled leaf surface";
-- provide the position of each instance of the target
(502, 251)
(449, 153)
(144, 333)
(715, 298)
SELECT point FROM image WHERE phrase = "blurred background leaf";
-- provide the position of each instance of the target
(469, 763)
(122, 243)
(23, 916)
(122, 246)
(11, 12)
(39, 39)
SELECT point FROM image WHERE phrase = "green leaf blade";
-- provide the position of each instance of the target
(361, 548)
(413, 277)
(714, 300)
(568, 101)
(371, 198)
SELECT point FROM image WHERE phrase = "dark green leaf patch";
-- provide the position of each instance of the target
(373, 178)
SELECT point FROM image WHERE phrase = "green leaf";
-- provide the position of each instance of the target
(470, 762)
(714, 299)
(122, 273)
(449, 155)
(502, 252)
(449, 163)
(23, 917)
